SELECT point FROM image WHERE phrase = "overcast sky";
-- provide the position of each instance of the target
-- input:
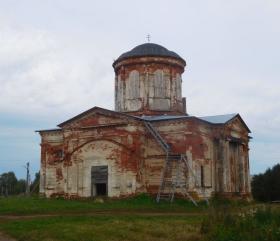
(56, 61)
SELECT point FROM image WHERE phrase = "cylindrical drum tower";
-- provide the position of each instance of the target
(148, 81)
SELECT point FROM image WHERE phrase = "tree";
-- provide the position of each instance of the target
(266, 186)
(10, 185)
(21, 186)
(8, 182)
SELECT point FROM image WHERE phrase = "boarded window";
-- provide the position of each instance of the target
(160, 84)
(132, 92)
(133, 85)
(159, 91)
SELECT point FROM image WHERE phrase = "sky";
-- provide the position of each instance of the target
(56, 61)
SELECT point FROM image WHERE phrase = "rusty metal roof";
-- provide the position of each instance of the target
(149, 49)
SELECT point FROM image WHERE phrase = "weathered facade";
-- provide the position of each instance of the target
(125, 152)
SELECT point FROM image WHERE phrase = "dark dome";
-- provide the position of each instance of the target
(149, 49)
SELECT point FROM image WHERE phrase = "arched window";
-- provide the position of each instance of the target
(161, 84)
(133, 85)
(159, 91)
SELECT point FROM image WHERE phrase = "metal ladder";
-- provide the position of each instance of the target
(168, 185)
(158, 137)
(182, 175)
(184, 159)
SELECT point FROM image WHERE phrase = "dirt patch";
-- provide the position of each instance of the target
(98, 213)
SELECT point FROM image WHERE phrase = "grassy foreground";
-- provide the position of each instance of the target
(36, 205)
(138, 218)
(115, 228)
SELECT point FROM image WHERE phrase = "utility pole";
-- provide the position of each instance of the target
(27, 189)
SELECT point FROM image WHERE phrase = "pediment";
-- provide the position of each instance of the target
(237, 125)
(96, 117)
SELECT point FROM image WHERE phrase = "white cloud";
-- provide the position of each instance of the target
(40, 74)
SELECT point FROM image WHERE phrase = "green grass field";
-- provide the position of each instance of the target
(36, 205)
(128, 227)
(138, 218)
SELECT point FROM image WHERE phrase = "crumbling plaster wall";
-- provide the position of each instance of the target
(190, 138)
(135, 160)
(51, 161)
(237, 156)
(121, 180)
(119, 147)
(207, 148)
(148, 86)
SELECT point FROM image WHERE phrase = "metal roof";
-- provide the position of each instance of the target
(218, 119)
(49, 130)
(215, 119)
(149, 49)
(163, 117)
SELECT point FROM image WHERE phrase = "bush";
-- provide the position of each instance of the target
(257, 225)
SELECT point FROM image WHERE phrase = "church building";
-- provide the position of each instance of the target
(148, 143)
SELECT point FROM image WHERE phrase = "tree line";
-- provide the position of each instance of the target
(266, 186)
(10, 185)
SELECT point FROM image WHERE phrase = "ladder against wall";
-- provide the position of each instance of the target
(176, 172)
(175, 178)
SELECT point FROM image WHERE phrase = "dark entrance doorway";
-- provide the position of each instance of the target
(101, 189)
(99, 181)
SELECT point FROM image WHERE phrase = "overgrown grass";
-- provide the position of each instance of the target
(36, 205)
(231, 203)
(109, 228)
(254, 224)
(139, 218)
